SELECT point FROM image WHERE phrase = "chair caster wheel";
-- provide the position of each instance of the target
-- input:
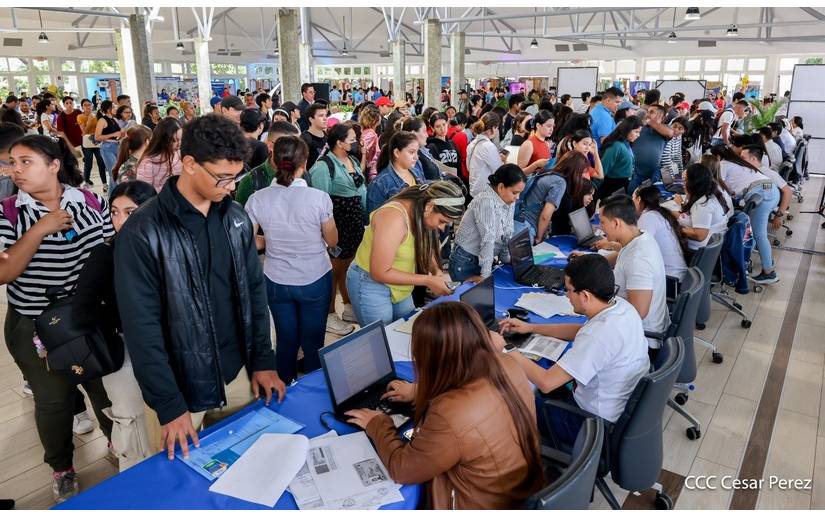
(717, 357)
(693, 433)
(746, 323)
(700, 326)
(681, 398)
(663, 502)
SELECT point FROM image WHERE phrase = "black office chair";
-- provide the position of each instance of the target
(573, 490)
(632, 452)
(706, 259)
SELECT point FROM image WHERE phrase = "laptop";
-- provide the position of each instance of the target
(580, 222)
(672, 184)
(524, 268)
(482, 298)
(357, 369)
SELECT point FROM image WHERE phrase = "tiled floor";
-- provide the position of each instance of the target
(725, 400)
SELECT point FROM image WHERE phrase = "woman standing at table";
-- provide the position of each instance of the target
(476, 443)
(400, 251)
(487, 226)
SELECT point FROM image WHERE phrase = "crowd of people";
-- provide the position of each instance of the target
(215, 224)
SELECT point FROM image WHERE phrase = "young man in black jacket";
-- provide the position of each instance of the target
(191, 292)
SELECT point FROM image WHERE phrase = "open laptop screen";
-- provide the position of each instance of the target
(357, 362)
(580, 221)
(521, 253)
(482, 298)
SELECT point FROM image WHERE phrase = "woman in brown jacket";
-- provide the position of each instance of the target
(476, 443)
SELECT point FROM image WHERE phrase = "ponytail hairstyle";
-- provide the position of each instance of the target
(487, 122)
(699, 183)
(446, 198)
(289, 156)
(399, 141)
(105, 106)
(161, 143)
(649, 198)
(508, 175)
(136, 137)
(50, 149)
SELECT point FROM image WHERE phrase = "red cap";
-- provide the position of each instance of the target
(383, 101)
(683, 105)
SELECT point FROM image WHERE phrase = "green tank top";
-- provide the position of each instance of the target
(404, 256)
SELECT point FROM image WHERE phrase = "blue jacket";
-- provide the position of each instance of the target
(736, 252)
(386, 184)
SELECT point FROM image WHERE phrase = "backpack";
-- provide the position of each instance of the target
(520, 207)
(11, 211)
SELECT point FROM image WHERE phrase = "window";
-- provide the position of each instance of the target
(177, 68)
(693, 65)
(786, 64)
(18, 65)
(21, 84)
(41, 65)
(713, 65)
(757, 64)
(653, 65)
(671, 65)
(735, 65)
(158, 67)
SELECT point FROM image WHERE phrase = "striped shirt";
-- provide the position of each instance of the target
(57, 262)
(486, 228)
(672, 153)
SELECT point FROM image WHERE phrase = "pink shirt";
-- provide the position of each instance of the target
(155, 172)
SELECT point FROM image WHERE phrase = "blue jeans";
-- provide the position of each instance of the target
(108, 150)
(371, 300)
(759, 222)
(463, 265)
(300, 314)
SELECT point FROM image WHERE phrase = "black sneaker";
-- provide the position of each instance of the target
(766, 278)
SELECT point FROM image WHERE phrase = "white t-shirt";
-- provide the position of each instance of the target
(739, 178)
(654, 224)
(728, 117)
(706, 213)
(607, 360)
(774, 154)
(640, 266)
(774, 176)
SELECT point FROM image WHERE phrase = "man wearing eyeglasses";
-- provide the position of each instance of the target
(192, 289)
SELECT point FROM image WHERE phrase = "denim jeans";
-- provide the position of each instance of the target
(759, 222)
(300, 314)
(371, 300)
(463, 265)
(90, 154)
(108, 150)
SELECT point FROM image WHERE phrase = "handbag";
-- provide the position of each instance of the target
(79, 353)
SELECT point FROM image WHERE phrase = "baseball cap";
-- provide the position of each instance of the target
(232, 101)
(683, 105)
(706, 106)
(383, 101)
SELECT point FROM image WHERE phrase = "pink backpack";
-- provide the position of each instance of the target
(11, 211)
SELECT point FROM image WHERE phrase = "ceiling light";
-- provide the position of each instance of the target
(692, 13)
(732, 31)
(534, 43)
(671, 38)
(42, 38)
(179, 46)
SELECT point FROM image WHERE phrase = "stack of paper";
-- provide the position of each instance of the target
(545, 305)
(343, 473)
(545, 251)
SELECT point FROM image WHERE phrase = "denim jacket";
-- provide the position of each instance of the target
(386, 184)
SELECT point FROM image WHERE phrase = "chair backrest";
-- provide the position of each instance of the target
(573, 490)
(635, 440)
(683, 320)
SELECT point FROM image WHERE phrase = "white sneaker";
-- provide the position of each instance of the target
(27, 389)
(349, 314)
(337, 326)
(82, 424)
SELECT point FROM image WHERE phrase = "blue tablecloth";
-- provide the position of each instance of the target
(158, 483)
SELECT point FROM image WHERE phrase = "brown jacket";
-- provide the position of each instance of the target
(465, 449)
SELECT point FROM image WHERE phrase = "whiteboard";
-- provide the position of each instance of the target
(813, 116)
(692, 89)
(807, 83)
(573, 81)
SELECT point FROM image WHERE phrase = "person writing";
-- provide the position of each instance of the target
(298, 228)
(397, 169)
(608, 356)
(476, 444)
(487, 226)
(400, 251)
(534, 153)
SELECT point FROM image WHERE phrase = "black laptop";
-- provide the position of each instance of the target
(482, 297)
(524, 268)
(672, 184)
(357, 370)
(580, 222)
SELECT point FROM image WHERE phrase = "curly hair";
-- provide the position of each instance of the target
(211, 138)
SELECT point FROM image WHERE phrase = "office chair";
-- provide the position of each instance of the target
(573, 490)
(682, 324)
(706, 259)
(632, 452)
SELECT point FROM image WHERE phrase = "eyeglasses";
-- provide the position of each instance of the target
(223, 182)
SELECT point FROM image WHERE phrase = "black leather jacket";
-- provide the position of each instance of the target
(165, 307)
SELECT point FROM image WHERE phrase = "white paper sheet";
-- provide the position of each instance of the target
(546, 347)
(545, 305)
(255, 478)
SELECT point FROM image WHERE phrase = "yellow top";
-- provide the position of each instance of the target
(404, 256)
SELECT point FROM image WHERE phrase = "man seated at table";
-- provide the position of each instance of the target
(609, 352)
